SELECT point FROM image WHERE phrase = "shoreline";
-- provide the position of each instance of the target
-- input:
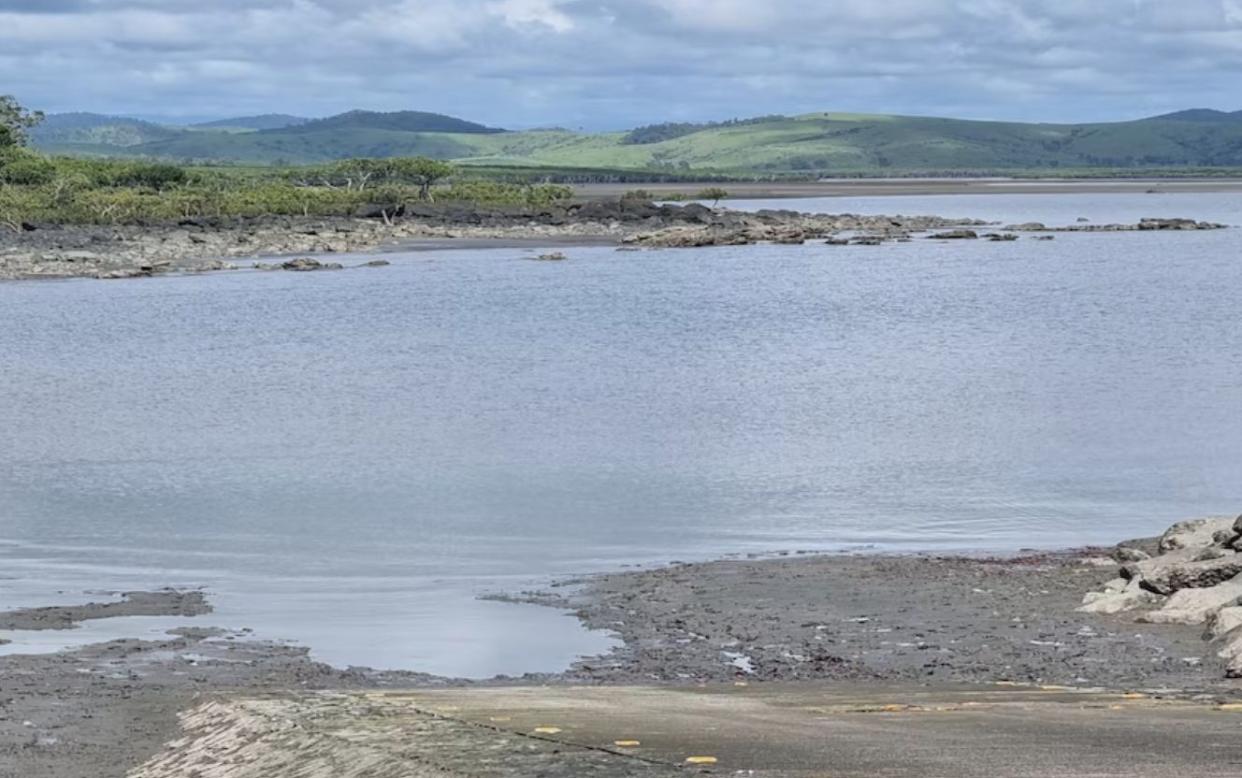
(912, 187)
(195, 246)
(933, 621)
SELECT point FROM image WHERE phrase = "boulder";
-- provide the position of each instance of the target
(306, 264)
(1195, 606)
(1199, 533)
(1234, 668)
(1127, 554)
(955, 235)
(1224, 621)
(1118, 596)
(1192, 575)
(1177, 224)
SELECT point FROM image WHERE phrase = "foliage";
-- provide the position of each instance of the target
(499, 193)
(15, 122)
(39, 189)
(713, 193)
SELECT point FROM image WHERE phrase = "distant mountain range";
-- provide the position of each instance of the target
(820, 142)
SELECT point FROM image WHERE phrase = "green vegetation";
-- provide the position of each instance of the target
(715, 194)
(821, 144)
(15, 122)
(35, 188)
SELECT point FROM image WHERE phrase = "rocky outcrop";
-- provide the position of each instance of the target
(1144, 225)
(1195, 577)
(206, 244)
(306, 264)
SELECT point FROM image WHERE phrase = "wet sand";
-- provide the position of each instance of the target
(927, 622)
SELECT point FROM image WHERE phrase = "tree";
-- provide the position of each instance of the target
(422, 171)
(15, 121)
(715, 194)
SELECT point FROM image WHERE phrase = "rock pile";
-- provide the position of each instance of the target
(1194, 577)
(1144, 225)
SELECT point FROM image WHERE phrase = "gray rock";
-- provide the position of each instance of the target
(1112, 600)
(1224, 621)
(1192, 575)
(956, 235)
(1195, 606)
(1199, 533)
(1126, 554)
(306, 264)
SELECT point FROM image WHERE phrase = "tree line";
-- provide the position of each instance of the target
(36, 188)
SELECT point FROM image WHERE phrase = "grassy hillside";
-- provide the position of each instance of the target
(267, 121)
(66, 132)
(813, 143)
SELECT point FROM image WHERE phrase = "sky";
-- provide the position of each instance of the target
(609, 64)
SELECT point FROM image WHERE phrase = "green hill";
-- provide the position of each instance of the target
(69, 133)
(267, 121)
(813, 143)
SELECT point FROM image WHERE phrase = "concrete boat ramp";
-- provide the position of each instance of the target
(758, 730)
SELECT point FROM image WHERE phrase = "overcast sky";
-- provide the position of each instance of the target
(613, 63)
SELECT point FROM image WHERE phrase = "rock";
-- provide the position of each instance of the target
(1210, 554)
(866, 240)
(555, 256)
(1045, 237)
(1194, 606)
(1199, 533)
(1192, 575)
(124, 272)
(1224, 621)
(1113, 601)
(1027, 227)
(1177, 224)
(955, 235)
(790, 237)
(306, 264)
(998, 237)
(1157, 566)
(837, 242)
(1126, 554)
(376, 263)
(1234, 668)
(1098, 561)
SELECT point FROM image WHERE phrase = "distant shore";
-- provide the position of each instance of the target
(908, 187)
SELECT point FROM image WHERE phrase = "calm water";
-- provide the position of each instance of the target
(346, 459)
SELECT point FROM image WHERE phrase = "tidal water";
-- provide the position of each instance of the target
(346, 460)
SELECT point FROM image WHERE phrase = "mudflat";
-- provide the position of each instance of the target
(927, 625)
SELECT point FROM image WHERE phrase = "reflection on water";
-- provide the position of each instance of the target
(347, 459)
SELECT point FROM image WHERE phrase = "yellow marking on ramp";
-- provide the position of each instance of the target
(626, 743)
(701, 760)
(547, 730)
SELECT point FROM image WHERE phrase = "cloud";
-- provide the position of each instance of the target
(613, 63)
